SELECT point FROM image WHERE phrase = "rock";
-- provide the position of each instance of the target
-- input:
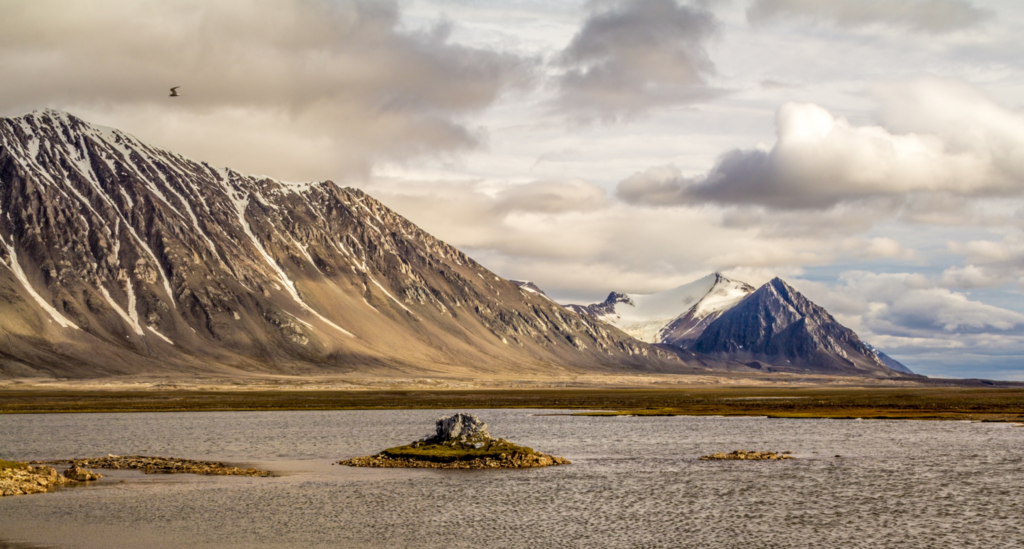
(462, 427)
(26, 479)
(746, 455)
(79, 474)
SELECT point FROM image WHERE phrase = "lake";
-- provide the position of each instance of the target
(634, 482)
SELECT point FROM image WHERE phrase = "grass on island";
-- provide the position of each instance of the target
(12, 465)
(456, 452)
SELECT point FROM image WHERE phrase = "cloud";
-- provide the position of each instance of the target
(551, 196)
(927, 16)
(877, 248)
(568, 236)
(937, 136)
(634, 55)
(970, 276)
(339, 78)
(770, 84)
(990, 263)
(929, 328)
(939, 308)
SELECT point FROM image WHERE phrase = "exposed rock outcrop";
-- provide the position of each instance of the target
(463, 427)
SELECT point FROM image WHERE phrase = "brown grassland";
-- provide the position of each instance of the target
(937, 403)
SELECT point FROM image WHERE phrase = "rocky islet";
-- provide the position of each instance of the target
(163, 465)
(460, 441)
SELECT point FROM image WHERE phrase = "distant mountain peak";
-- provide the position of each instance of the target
(776, 324)
(614, 298)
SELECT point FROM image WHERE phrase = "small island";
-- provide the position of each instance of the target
(460, 441)
(746, 455)
(161, 465)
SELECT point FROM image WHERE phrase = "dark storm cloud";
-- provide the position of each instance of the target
(634, 55)
(929, 16)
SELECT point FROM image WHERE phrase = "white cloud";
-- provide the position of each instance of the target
(990, 262)
(877, 248)
(970, 276)
(949, 138)
(929, 16)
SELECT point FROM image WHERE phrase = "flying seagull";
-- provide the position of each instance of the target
(174, 91)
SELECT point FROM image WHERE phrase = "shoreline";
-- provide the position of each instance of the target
(926, 403)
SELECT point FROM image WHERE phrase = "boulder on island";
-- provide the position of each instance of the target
(79, 474)
(460, 441)
(459, 426)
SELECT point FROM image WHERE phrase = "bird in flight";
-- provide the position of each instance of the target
(174, 91)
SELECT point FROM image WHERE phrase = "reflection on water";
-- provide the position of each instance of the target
(634, 482)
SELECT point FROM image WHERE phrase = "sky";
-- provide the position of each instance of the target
(869, 152)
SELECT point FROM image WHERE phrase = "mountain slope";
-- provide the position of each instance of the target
(889, 361)
(778, 326)
(674, 316)
(122, 258)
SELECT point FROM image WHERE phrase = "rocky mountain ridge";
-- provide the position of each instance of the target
(122, 258)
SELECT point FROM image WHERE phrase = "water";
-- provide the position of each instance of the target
(634, 482)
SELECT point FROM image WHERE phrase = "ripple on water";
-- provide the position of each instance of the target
(634, 482)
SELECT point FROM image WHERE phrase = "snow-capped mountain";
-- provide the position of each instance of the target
(123, 258)
(778, 326)
(674, 316)
(731, 320)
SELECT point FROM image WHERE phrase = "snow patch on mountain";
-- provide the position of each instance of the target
(672, 315)
(20, 275)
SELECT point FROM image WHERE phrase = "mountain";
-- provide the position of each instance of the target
(889, 361)
(121, 258)
(778, 328)
(671, 317)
